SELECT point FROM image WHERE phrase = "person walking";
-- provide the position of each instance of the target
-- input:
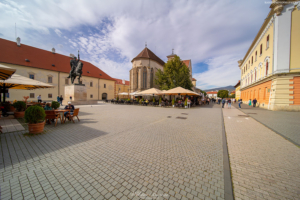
(61, 99)
(219, 101)
(58, 99)
(254, 102)
(249, 102)
(240, 102)
(223, 102)
(39, 99)
(229, 103)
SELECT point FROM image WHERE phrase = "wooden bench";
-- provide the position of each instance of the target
(51, 114)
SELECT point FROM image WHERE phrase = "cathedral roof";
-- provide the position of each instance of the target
(147, 53)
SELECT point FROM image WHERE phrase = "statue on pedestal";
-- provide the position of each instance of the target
(76, 69)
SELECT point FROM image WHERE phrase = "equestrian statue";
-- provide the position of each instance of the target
(76, 69)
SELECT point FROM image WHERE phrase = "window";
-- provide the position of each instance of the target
(255, 55)
(260, 49)
(255, 75)
(145, 78)
(7, 95)
(91, 96)
(49, 79)
(246, 67)
(137, 78)
(268, 41)
(151, 78)
(67, 81)
(251, 78)
(31, 95)
(267, 67)
(91, 84)
(104, 85)
(252, 60)
(49, 96)
(31, 76)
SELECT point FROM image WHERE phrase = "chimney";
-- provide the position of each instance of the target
(19, 41)
(53, 50)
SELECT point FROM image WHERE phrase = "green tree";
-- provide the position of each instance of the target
(232, 96)
(175, 74)
(223, 93)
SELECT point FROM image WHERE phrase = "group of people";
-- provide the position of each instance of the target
(60, 99)
(250, 102)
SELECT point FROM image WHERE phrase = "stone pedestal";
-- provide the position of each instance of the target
(78, 94)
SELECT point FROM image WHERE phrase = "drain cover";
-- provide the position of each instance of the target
(243, 115)
(184, 113)
(169, 116)
(180, 117)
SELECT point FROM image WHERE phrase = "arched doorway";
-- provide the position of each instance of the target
(104, 96)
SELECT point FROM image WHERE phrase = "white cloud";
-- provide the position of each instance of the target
(58, 32)
(222, 71)
(198, 30)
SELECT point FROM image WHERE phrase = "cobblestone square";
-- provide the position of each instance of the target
(118, 152)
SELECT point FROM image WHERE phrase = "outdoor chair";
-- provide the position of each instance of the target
(75, 114)
(51, 114)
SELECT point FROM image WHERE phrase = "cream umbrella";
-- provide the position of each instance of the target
(123, 93)
(6, 72)
(180, 91)
(151, 91)
(22, 83)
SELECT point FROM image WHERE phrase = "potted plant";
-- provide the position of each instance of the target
(173, 102)
(20, 107)
(185, 103)
(55, 105)
(35, 116)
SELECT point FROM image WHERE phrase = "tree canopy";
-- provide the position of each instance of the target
(175, 74)
(223, 93)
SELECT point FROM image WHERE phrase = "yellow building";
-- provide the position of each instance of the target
(238, 91)
(270, 69)
(122, 86)
(53, 68)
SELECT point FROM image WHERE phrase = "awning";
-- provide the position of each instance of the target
(180, 91)
(23, 83)
(123, 93)
(6, 72)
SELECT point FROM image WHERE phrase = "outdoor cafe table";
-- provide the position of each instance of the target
(63, 116)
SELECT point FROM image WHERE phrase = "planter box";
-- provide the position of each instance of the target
(36, 128)
(19, 114)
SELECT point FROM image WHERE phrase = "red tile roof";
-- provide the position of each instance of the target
(120, 81)
(237, 84)
(147, 53)
(186, 62)
(39, 58)
(193, 79)
(211, 92)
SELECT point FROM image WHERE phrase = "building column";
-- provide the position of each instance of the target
(140, 82)
(148, 77)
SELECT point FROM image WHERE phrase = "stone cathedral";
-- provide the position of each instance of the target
(144, 68)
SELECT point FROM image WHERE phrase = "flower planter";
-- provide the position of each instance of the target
(36, 128)
(12, 109)
(19, 114)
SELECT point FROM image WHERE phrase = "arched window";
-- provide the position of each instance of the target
(151, 78)
(267, 68)
(145, 78)
(254, 75)
(251, 78)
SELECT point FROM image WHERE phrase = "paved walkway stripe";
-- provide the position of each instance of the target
(228, 190)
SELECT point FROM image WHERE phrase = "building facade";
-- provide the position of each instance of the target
(238, 91)
(144, 67)
(270, 70)
(122, 86)
(212, 94)
(53, 68)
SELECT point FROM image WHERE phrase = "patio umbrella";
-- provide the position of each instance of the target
(151, 91)
(22, 83)
(181, 91)
(6, 72)
(123, 93)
